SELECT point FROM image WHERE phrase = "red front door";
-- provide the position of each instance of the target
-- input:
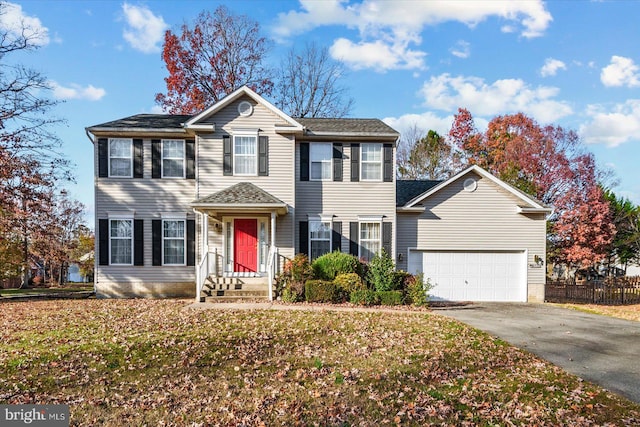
(245, 245)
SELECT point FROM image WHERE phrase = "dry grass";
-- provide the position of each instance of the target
(628, 312)
(150, 362)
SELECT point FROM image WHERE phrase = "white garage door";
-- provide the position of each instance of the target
(473, 276)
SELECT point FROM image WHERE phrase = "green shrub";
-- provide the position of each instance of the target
(349, 282)
(320, 291)
(364, 297)
(401, 279)
(390, 297)
(418, 290)
(328, 266)
(294, 274)
(381, 274)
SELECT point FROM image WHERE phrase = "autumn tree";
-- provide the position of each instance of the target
(309, 84)
(547, 162)
(625, 247)
(82, 252)
(216, 55)
(423, 156)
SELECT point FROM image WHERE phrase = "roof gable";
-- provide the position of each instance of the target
(238, 93)
(533, 205)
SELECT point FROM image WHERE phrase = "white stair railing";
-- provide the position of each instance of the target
(272, 259)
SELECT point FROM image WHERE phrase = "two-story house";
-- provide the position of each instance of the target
(214, 202)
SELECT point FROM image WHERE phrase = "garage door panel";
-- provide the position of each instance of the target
(473, 276)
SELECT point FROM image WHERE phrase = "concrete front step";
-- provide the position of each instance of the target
(232, 299)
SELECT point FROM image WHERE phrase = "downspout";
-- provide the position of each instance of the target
(95, 216)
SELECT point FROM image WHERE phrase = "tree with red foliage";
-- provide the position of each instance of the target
(214, 57)
(547, 162)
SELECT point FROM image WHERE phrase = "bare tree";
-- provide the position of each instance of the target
(424, 156)
(308, 85)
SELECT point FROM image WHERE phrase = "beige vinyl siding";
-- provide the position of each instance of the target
(486, 219)
(148, 199)
(279, 183)
(345, 200)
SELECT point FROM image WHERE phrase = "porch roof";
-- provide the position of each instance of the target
(243, 196)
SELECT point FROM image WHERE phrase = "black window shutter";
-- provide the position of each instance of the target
(263, 156)
(353, 238)
(103, 238)
(336, 238)
(388, 162)
(137, 159)
(304, 237)
(355, 162)
(386, 237)
(304, 161)
(227, 158)
(191, 242)
(138, 242)
(103, 157)
(337, 162)
(190, 156)
(156, 158)
(156, 238)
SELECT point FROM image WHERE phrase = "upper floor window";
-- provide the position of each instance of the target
(173, 242)
(319, 238)
(245, 155)
(121, 241)
(371, 161)
(121, 157)
(370, 239)
(320, 157)
(173, 155)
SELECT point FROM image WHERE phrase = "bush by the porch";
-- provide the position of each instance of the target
(321, 291)
(390, 297)
(364, 297)
(290, 283)
(330, 265)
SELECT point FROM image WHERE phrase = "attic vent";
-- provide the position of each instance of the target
(245, 108)
(470, 185)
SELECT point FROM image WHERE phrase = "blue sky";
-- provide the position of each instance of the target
(572, 63)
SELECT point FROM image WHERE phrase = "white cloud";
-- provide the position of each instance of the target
(144, 30)
(620, 72)
(75, 91)
(425, 121)
(462, 49)
(551, 67)
(614, 127)
(14, 22)
(448, 93)
(378, 55)
(389, 25)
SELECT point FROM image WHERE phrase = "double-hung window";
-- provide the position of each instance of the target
(245, 155)
(320, 157)
(121, 157)
(173, 242)
(319, 238)
(121, 241)
(370, 239)
(371, 161)
(173, 158)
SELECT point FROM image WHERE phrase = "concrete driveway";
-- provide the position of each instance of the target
(600, 349)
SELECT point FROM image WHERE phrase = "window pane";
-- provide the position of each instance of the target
(120, 148)
(371, 152)
(245, 145)
(321, 152)
(369, 249)
(173, 149)
(120, 251)
(174, 251)
(172, 168)
(245, 165)
(320, 230)
(371, 171)
(121, 228)
(120, 167)
(173, 229)
(319, 248)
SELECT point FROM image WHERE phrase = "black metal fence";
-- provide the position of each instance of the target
(608, 291)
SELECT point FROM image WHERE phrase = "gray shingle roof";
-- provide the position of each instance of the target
(406, 190)
(146, 121)
(243, 193)
(364, 126)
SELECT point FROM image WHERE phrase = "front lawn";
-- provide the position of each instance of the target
(628, 312)
(151, 362)
(55, 290)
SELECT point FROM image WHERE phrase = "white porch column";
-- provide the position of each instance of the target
(205, 233)
(272, 254)
(273, 229)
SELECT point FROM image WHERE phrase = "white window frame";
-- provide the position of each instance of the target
(183, 158)
(121, 238)
(184, 241)
(362, 161)
(253, 135)
(130, 157)
(360, 239)
(322, 161)
(311, 239)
